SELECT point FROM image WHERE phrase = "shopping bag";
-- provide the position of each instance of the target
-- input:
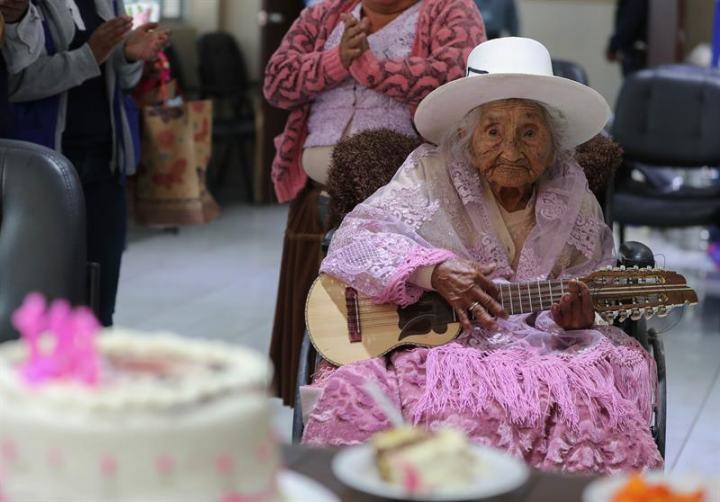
(170, 188)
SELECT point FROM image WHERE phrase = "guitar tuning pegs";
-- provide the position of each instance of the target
(649, 312)
(636, 267)
(608, 317)
(622, 267)
(636, 314)
(662, 311)
(622, 315)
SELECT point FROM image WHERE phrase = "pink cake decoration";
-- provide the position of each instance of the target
(8, 451)
(72, 354)
(108, 465)
(225, 463)
(55, 458)
(164, 464)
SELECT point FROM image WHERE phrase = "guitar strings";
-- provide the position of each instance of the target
(372, 315)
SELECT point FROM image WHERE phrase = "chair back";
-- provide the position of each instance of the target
(221, 65)
(570, 70)
(42, 234)
(670, 116)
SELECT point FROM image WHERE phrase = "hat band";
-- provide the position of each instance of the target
(470, 70)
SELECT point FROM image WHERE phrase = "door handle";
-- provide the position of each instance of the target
(265, 18)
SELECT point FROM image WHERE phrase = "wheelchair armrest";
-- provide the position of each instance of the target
(635, 254)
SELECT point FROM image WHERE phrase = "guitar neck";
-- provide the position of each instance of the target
(529, 297)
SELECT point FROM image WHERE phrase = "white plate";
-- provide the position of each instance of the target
(298, 488)
(603, 490)
(500, 473)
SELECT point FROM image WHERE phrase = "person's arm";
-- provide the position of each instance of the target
(376, 251)
(51, 75)
(456, 29)
(129, 72)
(24, 40)
(296, 72)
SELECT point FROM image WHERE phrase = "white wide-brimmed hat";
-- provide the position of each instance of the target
(514, 67)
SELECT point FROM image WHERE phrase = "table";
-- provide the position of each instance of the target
(541, 487)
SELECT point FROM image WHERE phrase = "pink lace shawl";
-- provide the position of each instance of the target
(575, 400)
(435, 208)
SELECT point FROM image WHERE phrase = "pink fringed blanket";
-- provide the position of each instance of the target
(563, 400)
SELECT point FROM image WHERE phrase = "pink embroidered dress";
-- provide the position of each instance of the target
(562, 400)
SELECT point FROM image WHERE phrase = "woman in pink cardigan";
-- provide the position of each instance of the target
(343, 67)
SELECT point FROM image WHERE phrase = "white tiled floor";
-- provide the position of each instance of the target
(220, 280)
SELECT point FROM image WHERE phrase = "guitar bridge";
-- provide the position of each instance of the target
(353, 315)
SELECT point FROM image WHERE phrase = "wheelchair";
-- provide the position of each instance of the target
(631, 254)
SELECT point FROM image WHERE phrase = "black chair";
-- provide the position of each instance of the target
(224, 79)
(630, 254)
(667, 116)
(42, 234)
(570, 70)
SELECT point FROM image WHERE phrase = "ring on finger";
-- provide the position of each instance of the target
(474, 306)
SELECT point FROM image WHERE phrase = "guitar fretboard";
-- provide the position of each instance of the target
(528, 297)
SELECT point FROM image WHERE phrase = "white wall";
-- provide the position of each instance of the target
(241, 19)
(203, 14)
(578, 31)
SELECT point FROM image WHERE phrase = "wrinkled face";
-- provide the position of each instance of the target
(512, 144)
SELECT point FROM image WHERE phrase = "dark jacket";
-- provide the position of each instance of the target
(631, 20)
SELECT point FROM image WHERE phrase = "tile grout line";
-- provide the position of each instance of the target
(706, 398)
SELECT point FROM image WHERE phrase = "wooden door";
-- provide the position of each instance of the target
(666, 33)
(275, 19)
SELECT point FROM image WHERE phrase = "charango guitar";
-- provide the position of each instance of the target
(345, 326)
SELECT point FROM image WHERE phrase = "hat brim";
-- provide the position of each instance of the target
(584, 111)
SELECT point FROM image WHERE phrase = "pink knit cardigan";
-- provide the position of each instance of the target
(301, 69)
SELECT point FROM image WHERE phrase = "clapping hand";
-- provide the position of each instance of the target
(13, 10)
(354, 39)
(145, 42)
(107, 36)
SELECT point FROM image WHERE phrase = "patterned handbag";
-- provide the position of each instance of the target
(170, 188)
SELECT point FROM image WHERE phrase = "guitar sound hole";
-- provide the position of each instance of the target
(429, 314)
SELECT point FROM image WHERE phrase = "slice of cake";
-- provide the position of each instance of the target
(423, 462)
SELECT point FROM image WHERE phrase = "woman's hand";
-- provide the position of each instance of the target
(145, 42)
(575, 310)
(354, 39)
(465, 286)
(107, 36)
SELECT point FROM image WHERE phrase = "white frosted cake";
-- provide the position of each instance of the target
(168, 420)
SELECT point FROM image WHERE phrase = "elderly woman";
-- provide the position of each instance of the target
(346, 66)
(500, 199)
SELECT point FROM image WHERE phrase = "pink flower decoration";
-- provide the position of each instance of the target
(164, 464)
(108, 465)
(74, 355)
(225, 464)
